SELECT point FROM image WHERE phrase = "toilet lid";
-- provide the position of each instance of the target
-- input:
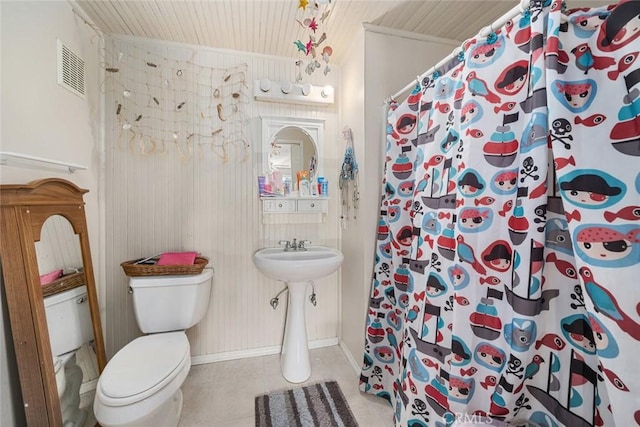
(146, 363)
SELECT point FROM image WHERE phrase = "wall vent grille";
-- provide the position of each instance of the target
(71, 70)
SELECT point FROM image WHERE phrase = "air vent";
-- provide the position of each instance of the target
(71, 70)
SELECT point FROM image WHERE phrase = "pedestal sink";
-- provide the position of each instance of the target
(296, 268)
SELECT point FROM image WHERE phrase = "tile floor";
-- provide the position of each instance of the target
(222, 394)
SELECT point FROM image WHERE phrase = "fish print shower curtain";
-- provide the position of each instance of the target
(507, 274)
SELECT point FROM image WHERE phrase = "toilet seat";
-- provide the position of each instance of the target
(142, 367)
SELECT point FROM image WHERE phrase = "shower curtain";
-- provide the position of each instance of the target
(507, 273)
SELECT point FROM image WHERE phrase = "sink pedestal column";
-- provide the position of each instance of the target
(294, 358)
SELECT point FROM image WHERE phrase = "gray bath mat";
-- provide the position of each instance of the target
(321, 404)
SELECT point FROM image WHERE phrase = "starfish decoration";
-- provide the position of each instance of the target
(303, 4)
(313, 24)
(301, 47)
(309, 46)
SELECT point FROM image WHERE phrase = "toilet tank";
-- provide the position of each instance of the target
(170, 303)
(68, 320)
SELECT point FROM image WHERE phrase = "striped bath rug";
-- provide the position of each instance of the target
(321, 404)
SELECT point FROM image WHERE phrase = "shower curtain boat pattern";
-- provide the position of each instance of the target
(506, 275)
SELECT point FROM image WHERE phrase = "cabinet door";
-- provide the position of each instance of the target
(279, 206)
(312, 205)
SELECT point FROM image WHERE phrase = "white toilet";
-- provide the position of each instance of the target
(69, 325)
(140, 386)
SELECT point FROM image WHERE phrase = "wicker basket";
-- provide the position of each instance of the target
(64, 283)
(132, 269)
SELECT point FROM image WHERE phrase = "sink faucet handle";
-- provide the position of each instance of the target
(302, 243)
(286, 243)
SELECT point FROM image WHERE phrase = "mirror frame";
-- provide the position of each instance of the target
(313, 128)
(23, 211)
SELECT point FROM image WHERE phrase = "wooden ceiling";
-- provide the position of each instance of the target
(270, 27)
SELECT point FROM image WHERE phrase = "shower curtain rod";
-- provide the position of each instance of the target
(520, 8)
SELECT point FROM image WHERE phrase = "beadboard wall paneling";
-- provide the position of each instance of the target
(168, 202)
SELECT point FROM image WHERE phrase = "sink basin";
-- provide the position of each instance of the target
(298, 266)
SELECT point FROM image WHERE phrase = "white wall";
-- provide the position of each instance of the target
(352, 104)
(164, 202)
(391, 61)
(41, 118)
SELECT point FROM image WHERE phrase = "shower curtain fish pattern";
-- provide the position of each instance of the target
(503, 286)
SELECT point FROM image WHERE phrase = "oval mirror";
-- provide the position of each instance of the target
(290, 145)
(69, 324)
(292, 150)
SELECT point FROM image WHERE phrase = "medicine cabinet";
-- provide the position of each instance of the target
(289, 145)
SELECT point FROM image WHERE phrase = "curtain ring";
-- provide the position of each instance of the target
(491, 37)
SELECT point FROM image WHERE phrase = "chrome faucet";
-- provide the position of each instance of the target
(293, 245)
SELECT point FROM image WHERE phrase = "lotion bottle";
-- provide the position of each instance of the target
(304, 188)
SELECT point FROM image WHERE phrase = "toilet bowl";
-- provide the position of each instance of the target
(140, 386)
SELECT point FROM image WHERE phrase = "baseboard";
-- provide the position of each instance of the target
(352, 361)
(255, 352)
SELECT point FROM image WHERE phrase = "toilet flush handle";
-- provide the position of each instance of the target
(130, 290)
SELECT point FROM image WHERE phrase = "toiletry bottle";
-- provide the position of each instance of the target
(268, 188)
(304, 187)
(277, 182)
(287, 185)
(261, 185)
(299, 176)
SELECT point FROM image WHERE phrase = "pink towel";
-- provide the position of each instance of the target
(177, 258)
(47, 278)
